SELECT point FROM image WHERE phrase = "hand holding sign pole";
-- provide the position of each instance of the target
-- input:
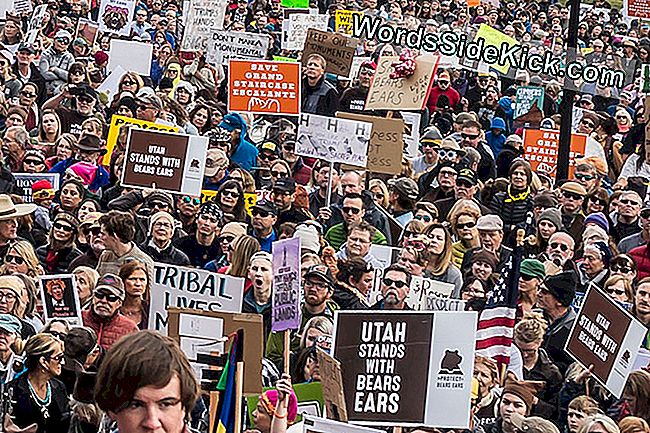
(286, 291)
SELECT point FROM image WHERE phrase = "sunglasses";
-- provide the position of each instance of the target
(612, 291)
(425, 218)
(571, 196)
(563, 247)
(443, 82)
(33, 162)
(226, 239)
(463, 183)
(107, 296)
(461, 226)
(289, 148)
(229, 193)
(620, 268)
(599, 201)
(629, 202)
(64, 227)
(85, 99)
(158, 204)
(58, 358)
(63, 40)
(349, 209)
(10, 258)
(43, 194)
(645, 214)
(447, 153)
(526, 277)
(260, 213)
(431, 145)
(587, 123)
(128, 83)
(390, 282)
(469, 136)
(416, 244)
(194, 200)
(581, 176)
(279, 174)
(268, 157)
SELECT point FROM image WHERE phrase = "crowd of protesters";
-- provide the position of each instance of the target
(452, 213)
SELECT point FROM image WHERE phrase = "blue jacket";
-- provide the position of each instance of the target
(102, 177)
(245, 155)
(495, 142)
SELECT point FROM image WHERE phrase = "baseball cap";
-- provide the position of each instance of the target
(214, 160)
(405, 186)
(111, 283)
(468, 175)
(321, 272)
(266, 206)
(489, 223)
(285, 184)
(232, 121)
(532, 424)
(63, 34)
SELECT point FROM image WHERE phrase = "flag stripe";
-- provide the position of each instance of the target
(495, 331)
(494, 341)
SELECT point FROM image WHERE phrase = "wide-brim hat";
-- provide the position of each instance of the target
(9, 210)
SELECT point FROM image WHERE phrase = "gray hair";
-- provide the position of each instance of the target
(21, 135)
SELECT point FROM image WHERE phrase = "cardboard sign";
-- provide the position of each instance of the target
(422, 288)
(406, 368)
(385, 145)
(334, 140)
(264, 87)
(87, 30)
(226, 45)
(24, 181)
(295, 33)
(286, 285)
(343, 20)
(115, 16)
(313, 424)
(337, 50)
(332, 383)
(177, 286)
(165, 161)
(401, 93)
(540, 149)
(114, 131)
(203, 18)
(637, 9)
(131, 56)
(60, 298)
(529, 103)
(607, 336)
(205, 330)
(310, 401)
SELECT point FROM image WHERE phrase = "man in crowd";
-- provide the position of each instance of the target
(641, 238)
(318, 95)
(159, 246)
(14, 147)
(284, 195)
(490, 231)
(265, 215)
(56, 60)
(573, 195)
(395, 287)
(402, 195)
(353, 210)
(203, 245)
(627, 221)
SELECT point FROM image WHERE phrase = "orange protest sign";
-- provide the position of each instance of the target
(265, 87)
(540, 149)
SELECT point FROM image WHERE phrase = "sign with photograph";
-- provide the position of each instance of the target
(87, 30)
(203, 18)
(24, 182)
(116, 16)
(60, 298)
(165, 161)
(406, 368)
(333, 139)
(529, 106)
(606, 336)
(286, 285)
(264, 87)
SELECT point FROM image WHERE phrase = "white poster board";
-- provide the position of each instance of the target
(131, 56)
(293, 37)
(226, 45)
(203, 18)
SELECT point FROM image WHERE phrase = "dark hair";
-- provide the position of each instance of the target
(208, 123)
(119, 224)
(303, 357)
(352, 268)
(399, 268)
(141, 359)
(287, 228)
(354, 196)
(239, 209)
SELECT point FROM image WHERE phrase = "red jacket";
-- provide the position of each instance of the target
(108, 331)
(451, 93)
(641, 256)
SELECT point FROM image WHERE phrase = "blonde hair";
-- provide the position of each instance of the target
(531, 328)
(633, 424)
(26, 251)
(439, 263)
(608, 424)
(463, 207)
(384, 190)
(37, 346)
(321, 323)
(615, 279)
(243, 249)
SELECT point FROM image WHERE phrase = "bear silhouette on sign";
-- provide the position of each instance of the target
(195, 163)
(450, 363)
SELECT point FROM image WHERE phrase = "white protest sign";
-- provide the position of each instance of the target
(111, 84)
(314, 424)
(203, 18)
(296, 30)
(421, 288)
(433, 303)
(411, 134)
(131, 56)
(22, 6)
(36, 21)
(226, 45)
(115, 16)
(177, 286)
(333, 139)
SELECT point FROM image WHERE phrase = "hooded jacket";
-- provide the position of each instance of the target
(54, 68)
(245, 154)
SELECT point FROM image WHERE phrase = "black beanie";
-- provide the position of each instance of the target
(128, 102)
(562, 286)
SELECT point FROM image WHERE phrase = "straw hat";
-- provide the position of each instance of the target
(9, 210)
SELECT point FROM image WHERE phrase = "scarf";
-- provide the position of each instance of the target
(519, 197)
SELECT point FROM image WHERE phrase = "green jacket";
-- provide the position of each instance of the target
(338, 233)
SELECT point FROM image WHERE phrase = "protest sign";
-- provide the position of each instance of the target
(645, 79)
(166, 161)
(264, 87)
(22, 6)
(131, 56)
(295, 4)
(529, 106)
(357, 61)
(337, 50)
(202, 332)
(406, 368)
(540, 150)
(309, 396)
(313, 424)
(385, 145)
(422, 288)
(115, 16)
(286, 285)
(111, 84)
(37, 19)
(178, 286)
(334, 140)
(332, 383)
(492, 37)
(636, 9)
(208, 195)
(295, 32)
(433, 303)
(204, 17)
(114, 131)
(401, 93)
(343, 20)
(606, 336)
(24, 182)
(87, 30)
(226, 45)
(60, 298)
(411, 133)
(284, 59)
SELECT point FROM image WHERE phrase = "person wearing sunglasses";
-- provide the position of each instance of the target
(230, 198)
(395, 287)
(284, 194)
(571, 199)
(104, 315)
(84, 102)
(429, 146)
(587, 175)
(10, 328)
(60, 250)
(625, 266)
(358, 242)
(40, 401)
(628, 216)
(265, 215)
(471, 136)
(56, 61)
(353, 209)
(619, 289)
(187, 209)
(443, 87)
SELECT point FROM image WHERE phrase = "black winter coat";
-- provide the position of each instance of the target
(63, 259)
(27, 412)
(170, 255)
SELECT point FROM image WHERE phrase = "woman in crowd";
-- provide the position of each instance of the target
(201, 118)
(86, 279)
(78, 74)
(380, 192)
(440, 266)
(463, 217)
(138, 291)
(625, 266)
(21, 258)
(49, 130)
(63, 149)
(618, 288)
(230, 199)
(353, 282)
(549, 222)
(415, 259)
(72, 194)
(55, 257)
(239, 255)
(57, 327)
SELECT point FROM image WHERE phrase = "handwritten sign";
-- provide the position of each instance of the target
(203, 18)
(226, 45)
(337, 50)
(343, 20)
(295, 32)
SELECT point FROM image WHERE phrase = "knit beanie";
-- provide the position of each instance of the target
(233, 228)
(562, 286)
(599, 219)
(522, 391)
(553, 216)
(85, 171)
(485, 256)
(309, 238)
(162, 215)
(603, 249)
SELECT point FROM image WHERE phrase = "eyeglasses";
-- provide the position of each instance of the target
(425, 218)
(194, 200)
(62, 40)
(11, 258)
(416, 244)
(158, 204)
(620, 268)
(162, 224)
(64, 227)
(95, 231)
(571, 196)
(78, 72)
(275, 173)
(28, 94)
(470, 225)
(350, 209)
(629, 202)
(463, 183)
(8, 296)
(107, 296)
(469, 136)
(128, 83)
(444, 82)
(145, 107)
(587, 177)
(562, 247)
(587, 123)
(447, 153)
(390, 282)
(268, 156)
(58, 358)
(448, 173)
(260, 213)
(230, 193)
(33, 162)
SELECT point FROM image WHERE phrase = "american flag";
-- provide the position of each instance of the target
(497, 322)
